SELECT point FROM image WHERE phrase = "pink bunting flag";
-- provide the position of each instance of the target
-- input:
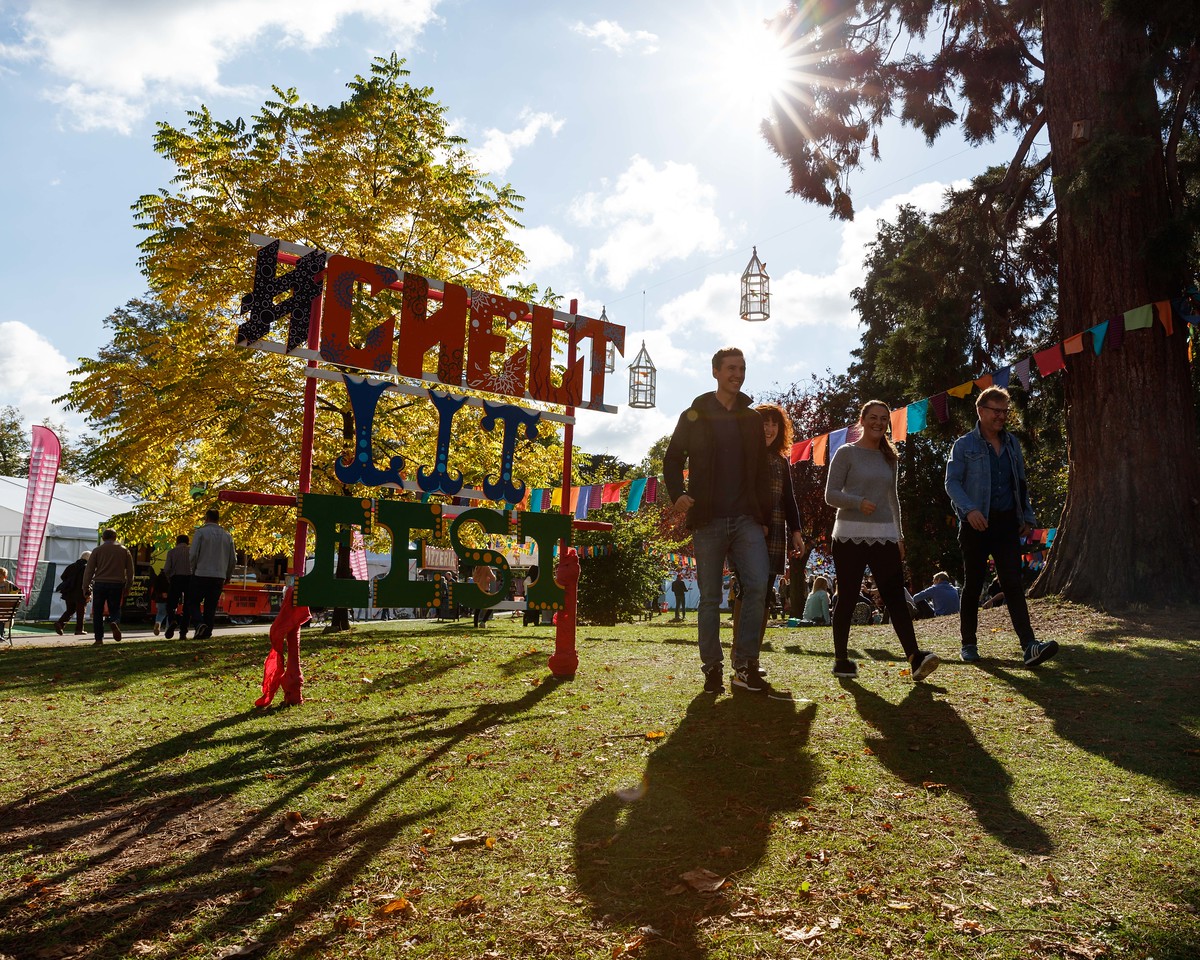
(1021, 369)
(941, 407)
(1050, 360)
(651, 490)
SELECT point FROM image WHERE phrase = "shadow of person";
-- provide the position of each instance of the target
(947, 752)
(706, 801)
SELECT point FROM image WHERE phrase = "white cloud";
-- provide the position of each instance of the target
(496, 154)
(113, 61)
(649, 217)
(545, 248)
(612, 35)
(627, 434)
(34, 374)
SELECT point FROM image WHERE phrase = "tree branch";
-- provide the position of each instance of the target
(1008, 26)
(1018, 200)
(1018, 161)
(1186, 89)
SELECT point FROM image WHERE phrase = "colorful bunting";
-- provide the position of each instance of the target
(962, 390)
(1116, 333)
(1165, 315)
(1073, 344)
(918, 416)
(636, 490)
(1098, 332)
(820, 445)
(1050, 360)
(941, 407)
(651, 490)
(581, 496)
(983, 382)
(836, 439)
(1000, 377)
(1021, 369)
(900, 425)
(801, 451)
(1139, 318)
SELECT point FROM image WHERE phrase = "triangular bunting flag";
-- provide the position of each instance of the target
(918, 416)
(1139, 318)
(1000, 377)
(1050, 360)
(1073, 344)
(1098, 332)
(820, 445)
(941, 407)
(636, 491)
(1021, 369)
(962, 390)
(1166, 316)
(1116, 333)
(983, 382)
(836, 439)
(900, 425)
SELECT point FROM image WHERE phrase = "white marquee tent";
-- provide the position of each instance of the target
(77, 515)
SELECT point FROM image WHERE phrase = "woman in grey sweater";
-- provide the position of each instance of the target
(862, 486)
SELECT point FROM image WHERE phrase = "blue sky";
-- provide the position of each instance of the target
(630, 128)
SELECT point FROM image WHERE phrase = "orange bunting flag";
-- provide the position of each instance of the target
(1050, 360)
(900, 424)
(820, 445)
(1073, 344)
(1139, 318)
(962, 390)
(1165, 316)
(801, 451)
(983, 382)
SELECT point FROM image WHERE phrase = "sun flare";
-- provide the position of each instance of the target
(752, 66)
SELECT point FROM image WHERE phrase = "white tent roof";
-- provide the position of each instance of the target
(77, 514)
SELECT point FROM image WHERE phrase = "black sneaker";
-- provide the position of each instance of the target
(748, 679)
(847, 669)
(170, 630)
(923, 664)
(757, 668)
(1037, 652)
(714, 680)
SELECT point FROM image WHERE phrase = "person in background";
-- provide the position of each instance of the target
(679, 588)
(985, 480)
(178, 570)
(212, 557)
(485, 579)
(107, 577)
(160, 588)
(70, 587)
(939, 599)
(6, 586)
(816, 607)
(861, 484)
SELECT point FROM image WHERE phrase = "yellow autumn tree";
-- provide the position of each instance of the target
(182, 412)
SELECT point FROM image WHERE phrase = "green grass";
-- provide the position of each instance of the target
(440, 795)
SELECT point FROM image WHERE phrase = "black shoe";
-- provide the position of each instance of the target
(58, 628)
(748, 679)
(1037, 653)
(170, 630)
(757, 668)
(714, 680)
(923, 664)
(116, 632)
(846, 669)
(97, 643)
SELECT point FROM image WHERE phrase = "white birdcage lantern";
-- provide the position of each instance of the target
(642, 375)
(756, 290)
(610, 350)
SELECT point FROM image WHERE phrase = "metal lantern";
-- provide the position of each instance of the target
(641, 380)
(756, 290)
(610, 351)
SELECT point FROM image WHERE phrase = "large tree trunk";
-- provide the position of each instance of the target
(1131, 524)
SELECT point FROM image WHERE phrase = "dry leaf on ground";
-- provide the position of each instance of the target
(703, 881)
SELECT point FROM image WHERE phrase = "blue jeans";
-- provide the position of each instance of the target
(740, 539)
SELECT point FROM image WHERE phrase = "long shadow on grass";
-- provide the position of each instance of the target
(151, 855)
(947, 752)
(1135, 705)
(707, 799)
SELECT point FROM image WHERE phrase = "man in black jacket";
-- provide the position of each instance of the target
(727, 500)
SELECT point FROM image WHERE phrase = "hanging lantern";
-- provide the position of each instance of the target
(610, 352)
(756, 290)
(641, 380)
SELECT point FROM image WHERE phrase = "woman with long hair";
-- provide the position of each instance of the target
(783, 533)
(862, 485)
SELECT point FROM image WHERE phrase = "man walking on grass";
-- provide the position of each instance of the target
(108, 577)
(985, 478)
(212, 556)
(727, 500)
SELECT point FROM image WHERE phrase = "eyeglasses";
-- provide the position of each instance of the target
(999, 411)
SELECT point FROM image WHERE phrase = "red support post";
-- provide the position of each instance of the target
(565, 660)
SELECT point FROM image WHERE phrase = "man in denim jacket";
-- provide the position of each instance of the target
(985, 478)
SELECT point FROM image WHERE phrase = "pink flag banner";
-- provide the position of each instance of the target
(44, 457)
(358, 556)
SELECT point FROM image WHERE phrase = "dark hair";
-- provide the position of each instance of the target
(724, 352)
(783, 439)
(887, 448)
(182, 538)
(211, 516)
(109, 534)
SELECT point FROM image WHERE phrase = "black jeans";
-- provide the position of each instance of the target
(851, 560)
(177, 591)
(1002, 542)
(206, 590)
(106, 593)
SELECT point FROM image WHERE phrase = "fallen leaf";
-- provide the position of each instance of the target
(801, 934)
(468, 839)
(401, 906)
(626, 949)
(703, 881)
(973, 927)
(471, 905)
(900, 905)
(930, 785)
(240, 951)
(655, 734)
(282, 871)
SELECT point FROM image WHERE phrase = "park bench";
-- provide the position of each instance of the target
(8, 612)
